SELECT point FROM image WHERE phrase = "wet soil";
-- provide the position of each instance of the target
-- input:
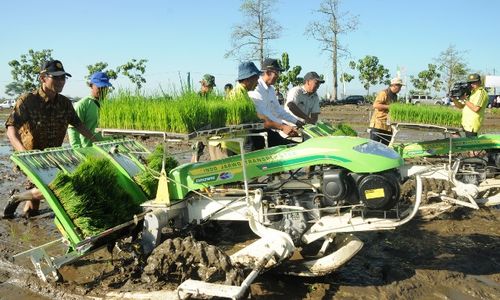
(453, 256)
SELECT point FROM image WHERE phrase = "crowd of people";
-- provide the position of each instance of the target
(41, 119)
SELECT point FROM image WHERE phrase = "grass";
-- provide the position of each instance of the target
(426, 114)
(185, 113)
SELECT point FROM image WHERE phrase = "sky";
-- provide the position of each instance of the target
(177, 37)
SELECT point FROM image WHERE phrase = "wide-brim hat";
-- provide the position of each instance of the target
(246, 70)
(100, 79)
(54, 68)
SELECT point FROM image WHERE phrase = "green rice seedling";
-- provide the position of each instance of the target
(92, 197)
(185, 113)
(147, 179)
(425, 114)
(342, 129)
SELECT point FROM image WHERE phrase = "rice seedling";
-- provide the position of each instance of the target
(147, 179)
(92, 197)
(183, 114)
(342, 129)
(425, 114)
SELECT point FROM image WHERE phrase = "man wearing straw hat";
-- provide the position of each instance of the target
(380, 129)
(38, 121)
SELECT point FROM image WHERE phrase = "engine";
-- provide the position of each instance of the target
(291, 208)
(376, 191)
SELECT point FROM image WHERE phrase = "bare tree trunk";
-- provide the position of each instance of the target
(334, 67)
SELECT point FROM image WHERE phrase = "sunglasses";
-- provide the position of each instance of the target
(60, 77)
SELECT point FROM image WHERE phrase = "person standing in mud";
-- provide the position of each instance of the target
(303, 101)
(269, 110)
(38, 121)
(87, 109)
(474, 106)
(380, 130)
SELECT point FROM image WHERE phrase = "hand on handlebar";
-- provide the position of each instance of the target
(289, 130)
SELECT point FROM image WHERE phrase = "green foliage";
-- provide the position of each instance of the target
(370, 72)
(134, 70)
(345, 77)
(100, 67)
(342, 129)
(25, 71)
(145, 179)
(183, 114)
(14, 89)
(425, 114)
(427, 80)
(289, 76)
(92, 197)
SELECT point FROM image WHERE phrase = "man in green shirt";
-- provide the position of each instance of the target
(248, 75)
(473, 107)
(87, 109)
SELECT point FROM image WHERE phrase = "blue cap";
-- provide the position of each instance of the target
(247, 69)
(100, 79)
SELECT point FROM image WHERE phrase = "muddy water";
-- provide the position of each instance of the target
(454, 256)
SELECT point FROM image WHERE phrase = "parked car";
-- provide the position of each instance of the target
(425, 99)
(8, 104)
(353, 99)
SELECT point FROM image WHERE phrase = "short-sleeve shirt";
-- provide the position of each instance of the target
(42, 122)
(87, 110)
(379, 117)
(307, 103)
(472, 121)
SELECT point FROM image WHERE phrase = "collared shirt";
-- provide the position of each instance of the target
(42, 122)
(307, 103)
(379, 118)
(266, 103)
(472, 121)
(87, 110)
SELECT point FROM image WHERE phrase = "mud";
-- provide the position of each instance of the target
(453, 256)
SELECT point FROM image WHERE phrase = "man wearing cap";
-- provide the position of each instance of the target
(87, 109)
(269, 109)
(473, 107)
(207, 85)
(303, 101)
(380, 130)
(38, 121)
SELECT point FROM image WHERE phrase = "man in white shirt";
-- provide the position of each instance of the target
(303, 101)
(269, 110)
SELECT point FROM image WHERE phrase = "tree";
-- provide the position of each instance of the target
(14, 89)
(327, 32)
(370, 72)
(427, 80)
(134, 69)
(452, 66)
(101, 67)
(25, 71)
(289, 76)
(345, 78)
(250, 40)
